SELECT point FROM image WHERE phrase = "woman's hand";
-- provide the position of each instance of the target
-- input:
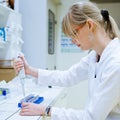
(32, 109)
(20, 63)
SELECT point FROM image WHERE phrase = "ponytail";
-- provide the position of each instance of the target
(110, 25)
(115, 30)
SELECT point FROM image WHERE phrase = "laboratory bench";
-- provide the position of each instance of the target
(7, 74)
(7, 71)
(9, 109)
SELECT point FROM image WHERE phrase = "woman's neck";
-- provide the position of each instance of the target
(101, 41)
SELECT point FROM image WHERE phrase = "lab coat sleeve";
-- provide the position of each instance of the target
(64, 78)
(105, 98)
(68, 114)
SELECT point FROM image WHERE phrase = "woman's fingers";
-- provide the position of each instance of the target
(32, 109)
(18, 65)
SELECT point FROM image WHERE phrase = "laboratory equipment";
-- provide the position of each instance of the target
(4, 14)
(31, 98)
(4, 91)
(22, 79)
(2, 34)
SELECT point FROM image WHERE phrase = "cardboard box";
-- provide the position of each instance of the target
(7, 74)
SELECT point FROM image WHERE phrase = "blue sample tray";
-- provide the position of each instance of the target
(31, 98)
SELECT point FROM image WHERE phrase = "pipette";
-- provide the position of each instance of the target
(22, 79)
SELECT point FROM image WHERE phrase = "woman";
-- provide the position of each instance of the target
(90, 29)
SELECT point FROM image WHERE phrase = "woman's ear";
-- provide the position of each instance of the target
(91, 25)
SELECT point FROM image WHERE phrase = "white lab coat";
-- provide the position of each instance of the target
(104, 90)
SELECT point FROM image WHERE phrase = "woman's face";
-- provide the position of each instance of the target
(81, 37)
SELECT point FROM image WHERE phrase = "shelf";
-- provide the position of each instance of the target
(4, 14)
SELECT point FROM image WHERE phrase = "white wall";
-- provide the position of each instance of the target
(35, 32)
(34, 21)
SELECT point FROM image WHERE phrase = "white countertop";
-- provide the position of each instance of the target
(8, 106)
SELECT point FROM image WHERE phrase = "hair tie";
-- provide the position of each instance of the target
(105, 15)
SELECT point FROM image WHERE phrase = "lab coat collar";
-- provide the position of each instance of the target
(108, 50)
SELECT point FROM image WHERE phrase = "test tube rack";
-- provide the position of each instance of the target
(31, 98)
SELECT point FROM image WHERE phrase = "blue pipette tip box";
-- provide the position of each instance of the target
(38, 101)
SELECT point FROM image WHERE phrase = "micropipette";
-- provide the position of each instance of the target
(22, 79)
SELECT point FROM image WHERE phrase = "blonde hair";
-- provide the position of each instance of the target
(81, 11)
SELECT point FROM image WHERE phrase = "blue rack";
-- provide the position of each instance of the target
(31, 98)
